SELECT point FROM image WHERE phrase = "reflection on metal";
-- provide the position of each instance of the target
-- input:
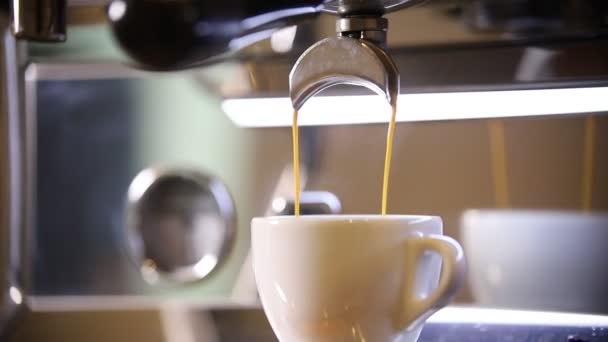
(311, 203)
(480, 316)
(117, 9)
(140, 184)
(181, 224)
(15, 295)
(41, 20)
(13, 190)
(348, 7)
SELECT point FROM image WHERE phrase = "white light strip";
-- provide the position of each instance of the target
(338, 110)
(517, 317)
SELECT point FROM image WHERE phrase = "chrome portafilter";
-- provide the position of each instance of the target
(356, 56)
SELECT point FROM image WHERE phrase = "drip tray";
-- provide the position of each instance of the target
(119, 319)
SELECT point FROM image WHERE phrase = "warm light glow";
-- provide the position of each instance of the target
(336, 110)
(516, 317)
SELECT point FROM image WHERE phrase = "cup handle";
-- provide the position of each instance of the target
(453, 268)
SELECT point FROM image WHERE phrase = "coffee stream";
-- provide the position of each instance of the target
(387, 160)
(296, 162)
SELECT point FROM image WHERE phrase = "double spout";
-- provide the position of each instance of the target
(356, 56)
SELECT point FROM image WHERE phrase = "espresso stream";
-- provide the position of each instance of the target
(296, 162)
(387, 160)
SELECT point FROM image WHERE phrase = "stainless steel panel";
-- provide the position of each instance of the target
(94, 128)
(13, 192)
(80, 145)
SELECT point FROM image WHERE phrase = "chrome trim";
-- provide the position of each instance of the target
(12, 193)
(30, 139)
(340, 60)
(40, 20)
(80, 71)
(343, 6)
(210, 260)
(311, 203)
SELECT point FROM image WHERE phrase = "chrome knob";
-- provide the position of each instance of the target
(181, 224)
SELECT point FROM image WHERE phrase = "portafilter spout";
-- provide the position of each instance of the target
(355, 56)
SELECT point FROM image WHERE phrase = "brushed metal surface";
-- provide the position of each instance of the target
(343, 60)
(12, 192)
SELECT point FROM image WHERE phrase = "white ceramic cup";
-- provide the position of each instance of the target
(538, 259)
(353, 277)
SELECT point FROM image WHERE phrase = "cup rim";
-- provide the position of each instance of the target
(532, 213)
(350, 218)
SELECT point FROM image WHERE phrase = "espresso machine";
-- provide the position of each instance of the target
(290, 55)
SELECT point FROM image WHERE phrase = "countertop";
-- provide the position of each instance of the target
(127, 319)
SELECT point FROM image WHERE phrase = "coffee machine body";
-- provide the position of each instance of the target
(437, 47)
